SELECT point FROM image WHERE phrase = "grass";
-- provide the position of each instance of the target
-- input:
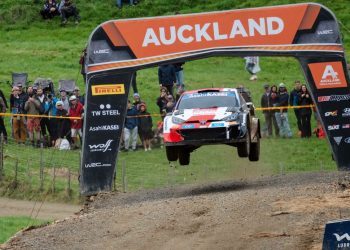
(11, 225)
(44, 49)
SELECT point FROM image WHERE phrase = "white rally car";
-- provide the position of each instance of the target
(211, 116)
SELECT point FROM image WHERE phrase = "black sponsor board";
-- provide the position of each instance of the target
(104, 119)
(337, 235)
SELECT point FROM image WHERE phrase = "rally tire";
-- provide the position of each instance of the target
(254, 152)
(243, 148)
(172, 153)
(184, 157)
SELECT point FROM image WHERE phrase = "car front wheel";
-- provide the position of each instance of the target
(184, 157)
(172, 153)
(243, 148)
(254, 153)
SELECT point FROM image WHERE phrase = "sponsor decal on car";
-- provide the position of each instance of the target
(187, 126)
(337, 139)
(333, 98)
(208, 94)
(204, 111)
(97, 165)
(217, 125)
(108, 89)
(102, 147)
(346, 112)
(333, 127)
(105, 110)
(328, 75)
(331, 113)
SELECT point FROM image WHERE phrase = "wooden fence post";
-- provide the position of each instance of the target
(41, 167)
(1, 156)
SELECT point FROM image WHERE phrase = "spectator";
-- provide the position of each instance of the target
(167, 77)
(179, 74)
(145, 127)
(50, 111)
(76, 110)
(305, 113)
(268, 113)
(50, 9)
(64, 99)
(130, 128)
(282, 114)
(68, 9)
(81, 98)
(170, 104)
(62, 124)
(162, 101)
(252, 66)
(119, 3)
(2, 124)
(293, 101)
(274, 103)
(44, 121)
(17, 108)
(32, 107)
(137, 101)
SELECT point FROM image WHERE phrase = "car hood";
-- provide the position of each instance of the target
(209, 114)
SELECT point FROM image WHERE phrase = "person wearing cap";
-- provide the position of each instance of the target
(282, 113)
(293, 101)
(76, 109)
(64, 99)
(137, 101)
(17, 102)
(62, 124)
(131, 127)
(81, 98)
(268, 113)
(145, 127)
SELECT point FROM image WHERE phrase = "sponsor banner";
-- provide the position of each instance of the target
(337, 139)
(104, 128)
(105, 110)
(347, 140)
(331, 113)
(102, 147)
(181, 33)
(337, 235)
(333, 98)
(108, 89)
(328, 75)
(97, 165)
(346, 112)
(333, 127)
(345, 126)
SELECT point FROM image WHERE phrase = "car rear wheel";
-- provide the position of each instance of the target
(243, 148)
(184, 157)
(172, 153)
(254, 153)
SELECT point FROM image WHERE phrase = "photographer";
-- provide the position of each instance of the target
(162, 101)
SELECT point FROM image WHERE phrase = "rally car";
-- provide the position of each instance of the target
(211, 116)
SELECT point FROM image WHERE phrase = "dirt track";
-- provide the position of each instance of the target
(284, 212)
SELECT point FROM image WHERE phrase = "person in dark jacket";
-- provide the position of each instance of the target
(167, 77)
(62, 124)
(50, 9)
(130, 128)
(305, 113)
(67, 10)
(162, 101)
(2, 125)
(293, 101)
(282, 114)
(269, 114)
(17, 101)
(145, 127)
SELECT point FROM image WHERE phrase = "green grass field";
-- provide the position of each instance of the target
(45, 49)
(11, 225)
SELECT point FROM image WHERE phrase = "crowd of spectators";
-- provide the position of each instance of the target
(65, 9)
(42, 117)
(275, 102)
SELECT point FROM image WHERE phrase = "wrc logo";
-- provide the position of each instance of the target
(344, 236)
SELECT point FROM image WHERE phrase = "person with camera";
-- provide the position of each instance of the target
(32, 108)
(50, 9)
(162, 101)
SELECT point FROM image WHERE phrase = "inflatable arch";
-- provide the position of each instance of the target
(116, 49)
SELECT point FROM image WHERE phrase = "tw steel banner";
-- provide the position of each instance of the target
(118, 48)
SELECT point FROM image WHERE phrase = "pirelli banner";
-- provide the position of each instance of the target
(118, 48)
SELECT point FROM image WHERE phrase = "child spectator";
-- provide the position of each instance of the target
(17, 107)
(305, 113)
(32, 107)
(130, 128)
(50, 9)
(76, 110)
(67, 10)
(145, 127)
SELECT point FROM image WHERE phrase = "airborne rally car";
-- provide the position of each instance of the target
(211, 116)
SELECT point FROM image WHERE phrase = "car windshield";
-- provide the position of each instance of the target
(208, 100)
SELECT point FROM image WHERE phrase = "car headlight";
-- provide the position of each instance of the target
(177, 120)
(231, 117)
